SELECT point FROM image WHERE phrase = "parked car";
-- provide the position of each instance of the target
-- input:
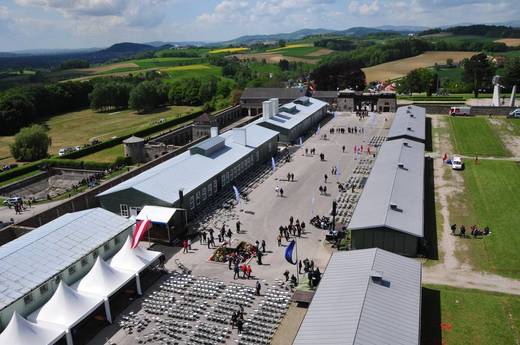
(515, 114)
(12, 201)
(460, 111)
(456, 163)
(65, 150)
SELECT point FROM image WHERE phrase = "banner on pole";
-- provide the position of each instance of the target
(141, 228)
(273, 164)
(289, 253)
(237, 194)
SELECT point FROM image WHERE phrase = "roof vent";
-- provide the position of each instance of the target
(412, 115)
(407, 144)
(409, 107)
(394, 207)
(376, 275)
(409, 129)
(401, 165)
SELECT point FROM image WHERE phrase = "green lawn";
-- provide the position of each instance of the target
(469, 317)
(107, 155)
(164, 62)
(454, 73)
(491, 193)
(474, 136)
(300, 52)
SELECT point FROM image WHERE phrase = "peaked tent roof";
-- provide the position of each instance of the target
(19, 331)
(66, 307)
(133, 260)
(103, 280)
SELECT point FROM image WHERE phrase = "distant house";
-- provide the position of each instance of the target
(365, 297)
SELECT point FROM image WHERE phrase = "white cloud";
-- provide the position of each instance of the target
(365, 8)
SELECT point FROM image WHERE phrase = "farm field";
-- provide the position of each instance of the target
(164, 62)
(511, 42)
(491, 187)
(468, 317)
(77, 128)
(399, 68)
(229, 51)
(192, 71)
(474, 136)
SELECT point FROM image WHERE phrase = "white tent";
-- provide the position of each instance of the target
(103, 280)
(157, 214)
(133, 260)
(66, 307)
(19, 331)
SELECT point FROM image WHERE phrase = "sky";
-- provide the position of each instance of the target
(40, 24)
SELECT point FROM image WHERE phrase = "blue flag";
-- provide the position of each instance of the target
(273, 164)
(289, 253)
(237, 194)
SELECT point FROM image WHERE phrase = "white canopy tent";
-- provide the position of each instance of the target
(133, 260)
(19, 331)
(157, 214)
(67, 308)
(103, 280)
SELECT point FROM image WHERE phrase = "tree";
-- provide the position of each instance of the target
(31, 144)
(145, 96)
(282, 43)
(449, 62)
(284, 65)
(512, 72)
(339, 73)
(16, 111)
(478, 72)
(235, 96)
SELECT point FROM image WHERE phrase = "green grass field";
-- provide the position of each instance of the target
(108, 155)
(469, 317)
(164, 62)
(492, 189)
(474, 136)
(194, 71)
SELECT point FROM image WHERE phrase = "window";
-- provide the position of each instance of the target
(134, 211)
(215, 186)
(123, 210)
(269, 145)
(43, 289)
(117, 240)
(95, 254)
(106, 247)
(209, 190)
(228, 177)
(203, 193)
(84, 262)
(72, 270)
(223, 179)
(197, 198)
(28, 298)
(192, 202)
(257, 156)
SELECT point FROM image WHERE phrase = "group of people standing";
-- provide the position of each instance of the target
(475, 231)
(295, 228)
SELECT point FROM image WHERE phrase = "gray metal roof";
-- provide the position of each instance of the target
(132, 140)
(351, 308)
(190, 170)
(34, 258)
(390, 184)
(409, 121)
(288, 120)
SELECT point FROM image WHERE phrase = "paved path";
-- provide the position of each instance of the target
(6, 214)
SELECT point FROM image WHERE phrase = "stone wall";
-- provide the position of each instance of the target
(6, 190)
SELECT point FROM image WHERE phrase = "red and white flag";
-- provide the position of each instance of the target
(141, 227)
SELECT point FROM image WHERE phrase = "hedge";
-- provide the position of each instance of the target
(142, 133)
(21, 170)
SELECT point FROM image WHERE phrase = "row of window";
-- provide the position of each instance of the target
(71, 270)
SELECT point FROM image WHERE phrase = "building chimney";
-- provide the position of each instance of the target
(274, 106)
(214, 131)
(266, 110)
(181, 198)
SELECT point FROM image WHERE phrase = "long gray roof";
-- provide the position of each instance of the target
(351, 308)
(190, 170)
(286, 120)
(34, 258)
(409, 121)
(388, 184)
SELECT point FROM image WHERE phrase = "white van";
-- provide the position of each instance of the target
(460, 111)
(456, 163)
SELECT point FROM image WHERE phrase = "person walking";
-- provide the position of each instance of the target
(288, 177)
(258, 288)
(277, 190)
(286, 274)
(259, 257)
(185, 246)
(238, 226)
(244, 270)
(204, 237)
(325, 177)
(279, 239)
(299, 267)
(263, 246)
(249, 271)
(325, 190)
(321, 190)
(281, 192)
(229, 234)
(343, 148)
(236, 270)
(240, 326)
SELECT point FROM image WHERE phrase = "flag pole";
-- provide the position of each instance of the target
(149, 238)
(297, 262)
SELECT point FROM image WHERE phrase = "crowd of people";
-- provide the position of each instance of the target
(475, 232)
(295, 229)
